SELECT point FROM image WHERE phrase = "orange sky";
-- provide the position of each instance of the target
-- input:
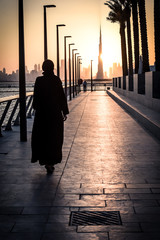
(82, 19)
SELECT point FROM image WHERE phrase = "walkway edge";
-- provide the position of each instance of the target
(140, 117)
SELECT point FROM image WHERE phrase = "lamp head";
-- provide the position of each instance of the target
(49, 6)
(67, 36)
(60, 25)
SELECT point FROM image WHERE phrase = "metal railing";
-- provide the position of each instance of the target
(10, 113)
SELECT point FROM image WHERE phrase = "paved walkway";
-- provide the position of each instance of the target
(110, 163)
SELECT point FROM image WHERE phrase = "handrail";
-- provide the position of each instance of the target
(14, 100)
(14, 97)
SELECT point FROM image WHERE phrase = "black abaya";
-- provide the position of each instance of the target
(50, 105)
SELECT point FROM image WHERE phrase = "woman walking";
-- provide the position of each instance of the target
(51, 108)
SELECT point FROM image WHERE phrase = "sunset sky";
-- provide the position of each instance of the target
(82, 19)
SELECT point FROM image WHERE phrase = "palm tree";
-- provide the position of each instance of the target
(143, 27)
(117, 14)
(135, 33)
(157, 33)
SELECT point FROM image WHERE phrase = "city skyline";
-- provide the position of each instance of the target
(84, 31)
(114, 70)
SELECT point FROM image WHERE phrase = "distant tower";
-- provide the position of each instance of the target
(35, 67)
(4, 71)
(39, 68)
(100, 61)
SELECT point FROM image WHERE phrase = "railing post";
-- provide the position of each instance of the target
(5, 112)
(28, 105)
(8, 126)
(29, 102)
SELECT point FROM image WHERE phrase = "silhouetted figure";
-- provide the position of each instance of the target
(84, 85)
(51, 108)
(80, 81)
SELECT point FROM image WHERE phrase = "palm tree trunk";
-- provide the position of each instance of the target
(129, 47)
(136, 34)
(143, 27)
(123, 49)
(157, 33)
(130, 59)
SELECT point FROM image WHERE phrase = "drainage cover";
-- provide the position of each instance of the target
(95, 218)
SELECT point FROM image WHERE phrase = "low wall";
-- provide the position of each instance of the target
(145, 89)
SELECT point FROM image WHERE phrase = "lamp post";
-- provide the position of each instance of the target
(79, 70)
(73, 68)
(70, 90)
(45, 30)
(91, 77)
(76, 70)
(57, 27)
(22, 83)
(65, 64)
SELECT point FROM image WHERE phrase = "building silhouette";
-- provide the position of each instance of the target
(100, 61)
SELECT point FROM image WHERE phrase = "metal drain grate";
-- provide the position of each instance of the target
(95, 218)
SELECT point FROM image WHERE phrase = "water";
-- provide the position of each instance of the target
(12, 88)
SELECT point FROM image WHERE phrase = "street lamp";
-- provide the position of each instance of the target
(91, 77)
(22, 83)
(76, 70)
(57, 26)
(70, 90)
(79, 70)
(65, 64)
(45, 30)
(73, 67)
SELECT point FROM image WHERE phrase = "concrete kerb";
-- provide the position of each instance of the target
(140, 117)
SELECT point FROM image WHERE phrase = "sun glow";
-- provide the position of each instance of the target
(84, 31)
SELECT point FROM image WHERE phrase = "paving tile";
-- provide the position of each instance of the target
(143, 185)
(11, 210)
(147, 210)
(6, 227)
(74, 236)
(23, 218)
(59, 228)
(36, 210)
(58, 218)
(107, 197)
(79, 203)
(121, 209)
(133, 236)
(29, 227)
(144, 196)
(21, 236)
(130, 190)
(131, 227)
(150, 227)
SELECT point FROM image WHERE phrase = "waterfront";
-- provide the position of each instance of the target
(12, 88)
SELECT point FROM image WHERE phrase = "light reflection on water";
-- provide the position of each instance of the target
(11, 89)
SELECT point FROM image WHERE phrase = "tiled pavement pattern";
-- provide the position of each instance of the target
(110, 163)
